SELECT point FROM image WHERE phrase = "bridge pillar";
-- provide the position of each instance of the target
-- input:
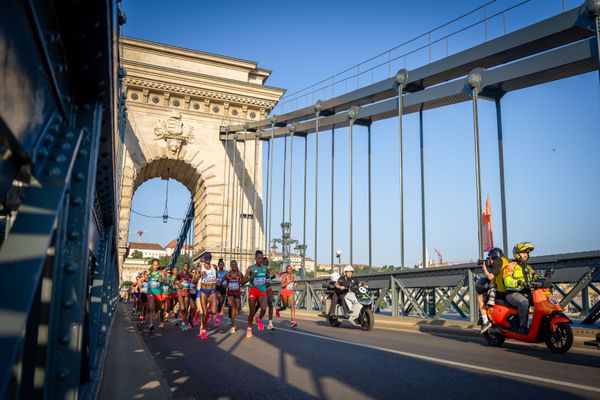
(473, 309)
(394, 291)
(430, 302)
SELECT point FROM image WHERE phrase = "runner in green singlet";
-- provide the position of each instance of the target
(257, 276)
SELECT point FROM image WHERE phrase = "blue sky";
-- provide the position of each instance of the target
(551, 131)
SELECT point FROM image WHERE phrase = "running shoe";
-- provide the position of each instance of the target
(270, 326)
(277, 313)
(217, 320)
(162, 325)
(141, 317)
(203, 335)
(151, 328)
(485, 327)
(248, 332)
(228, 321)
(261, 326)
(232, 330)
(293, 324)
(256, 319)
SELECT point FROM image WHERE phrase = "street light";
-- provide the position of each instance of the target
(338, 254)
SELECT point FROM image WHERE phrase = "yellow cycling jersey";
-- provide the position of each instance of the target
(514, 276)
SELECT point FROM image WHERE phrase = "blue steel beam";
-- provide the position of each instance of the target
(183, 232)
(570, 60)
(70, 282)
(565, 28)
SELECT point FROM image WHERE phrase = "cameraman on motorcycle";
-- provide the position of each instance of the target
(486, 285)
(517, 276)
(342, 286)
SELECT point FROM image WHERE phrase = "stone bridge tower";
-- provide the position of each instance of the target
(176, 101)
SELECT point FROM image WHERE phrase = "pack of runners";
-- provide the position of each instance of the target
(198, 296)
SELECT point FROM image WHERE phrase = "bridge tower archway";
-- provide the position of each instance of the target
(177, 100)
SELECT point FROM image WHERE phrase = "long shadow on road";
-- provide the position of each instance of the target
(286, 365)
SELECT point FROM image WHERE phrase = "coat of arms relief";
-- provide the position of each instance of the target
(174, 133)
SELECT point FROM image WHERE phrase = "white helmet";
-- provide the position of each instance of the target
(348, 268)
(335, 276)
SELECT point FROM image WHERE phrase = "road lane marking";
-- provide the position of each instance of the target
(436, 360)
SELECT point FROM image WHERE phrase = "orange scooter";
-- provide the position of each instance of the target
(549, 324)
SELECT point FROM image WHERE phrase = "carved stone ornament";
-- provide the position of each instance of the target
(174, 133)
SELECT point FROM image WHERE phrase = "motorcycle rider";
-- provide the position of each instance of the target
(492, 266)
(342, 286)
(516, 276)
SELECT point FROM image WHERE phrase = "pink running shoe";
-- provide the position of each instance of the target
(248, 332)
(261, 326)
(203, 335)
(277, 313)
(293, 324)
(217, 319)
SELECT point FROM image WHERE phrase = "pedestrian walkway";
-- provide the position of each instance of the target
(130, 372)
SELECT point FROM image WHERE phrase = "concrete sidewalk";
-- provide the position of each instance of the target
(130, 372)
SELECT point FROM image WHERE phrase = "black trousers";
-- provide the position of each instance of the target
(335, 299)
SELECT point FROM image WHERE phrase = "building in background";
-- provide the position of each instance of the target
(148, 250)
(186, 249)
(295, 260)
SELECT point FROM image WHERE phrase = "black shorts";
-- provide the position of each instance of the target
(222, 290)
(144, 297)
(482, 285)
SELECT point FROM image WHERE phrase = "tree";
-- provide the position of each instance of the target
(137, 254)
(275, 266)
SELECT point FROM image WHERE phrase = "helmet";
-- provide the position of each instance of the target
(335, 276)
(523, 247)
(348, 268)
(495, 252)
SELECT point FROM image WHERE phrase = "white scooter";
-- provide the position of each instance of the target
(359, 303)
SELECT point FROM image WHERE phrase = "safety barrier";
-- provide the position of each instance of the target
(434, 292)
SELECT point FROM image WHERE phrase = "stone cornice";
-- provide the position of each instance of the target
(151, 71)
(203, 93)
(198, 56)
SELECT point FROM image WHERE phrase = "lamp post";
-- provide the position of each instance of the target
(286, 241)
(301, 248)
(338, 254)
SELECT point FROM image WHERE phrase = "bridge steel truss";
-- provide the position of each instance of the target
(562, 46)
(429, 293)
(60, 111)
(183, 235)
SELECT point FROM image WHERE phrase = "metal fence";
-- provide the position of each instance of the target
(433, 293)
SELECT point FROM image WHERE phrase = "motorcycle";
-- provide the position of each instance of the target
(359, 303)
(549, 324)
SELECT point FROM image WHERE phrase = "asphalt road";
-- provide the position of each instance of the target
(319, 361)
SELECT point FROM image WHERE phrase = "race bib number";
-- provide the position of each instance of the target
(185, 285)
(154, 284)
(192, 289)
(165, 289)
(234, 285)
(259, 280)
(290, 286)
